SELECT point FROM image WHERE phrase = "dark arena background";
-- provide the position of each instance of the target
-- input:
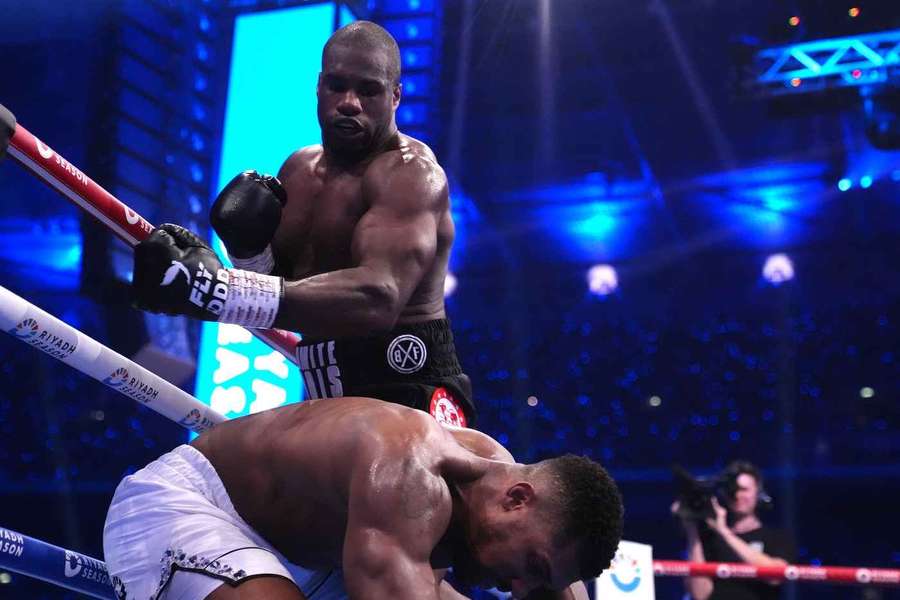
(678, 239)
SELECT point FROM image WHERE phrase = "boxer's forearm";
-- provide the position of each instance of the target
(349, 302)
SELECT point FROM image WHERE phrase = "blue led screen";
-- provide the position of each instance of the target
(270, 112)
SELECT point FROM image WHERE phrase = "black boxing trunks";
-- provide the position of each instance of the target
(414, 365)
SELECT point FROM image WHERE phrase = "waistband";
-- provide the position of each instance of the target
(187, 466)
(411, 352)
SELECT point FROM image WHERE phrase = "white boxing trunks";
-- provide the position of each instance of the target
(172, 533)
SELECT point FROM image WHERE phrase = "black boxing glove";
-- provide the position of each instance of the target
(177, 273)
(246, 214)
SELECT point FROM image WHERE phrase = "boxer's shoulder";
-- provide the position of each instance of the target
(301, 162)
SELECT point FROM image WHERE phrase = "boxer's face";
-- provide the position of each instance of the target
(357, 100)
(515, 546)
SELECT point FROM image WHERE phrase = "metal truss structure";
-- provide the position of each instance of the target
(864, 60)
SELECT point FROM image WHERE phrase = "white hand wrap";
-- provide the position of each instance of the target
(263, 262)
(253, 299)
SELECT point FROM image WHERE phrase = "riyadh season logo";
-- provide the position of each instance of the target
(25, 330)
(117, 378)
(625, 572)
(84, 567)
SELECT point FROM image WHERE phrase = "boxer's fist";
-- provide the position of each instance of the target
(247, 212)
(176, 273)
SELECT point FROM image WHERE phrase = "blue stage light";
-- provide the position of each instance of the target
(865, 182)
(844, 184)
(202, 52)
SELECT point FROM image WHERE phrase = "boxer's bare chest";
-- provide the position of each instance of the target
(318, 221)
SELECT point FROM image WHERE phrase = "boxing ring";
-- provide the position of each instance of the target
(28, 323)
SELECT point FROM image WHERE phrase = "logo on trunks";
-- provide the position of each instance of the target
(407, 354)
(132, 387)
(25, 330)
(321, 373)
(86, 567)
(445, 409)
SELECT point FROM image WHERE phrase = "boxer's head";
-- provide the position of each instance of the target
(358, 90)
(544, 525)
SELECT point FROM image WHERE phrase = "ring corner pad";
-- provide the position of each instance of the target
(7, 129)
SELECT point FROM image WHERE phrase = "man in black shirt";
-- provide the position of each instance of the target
(737, 535)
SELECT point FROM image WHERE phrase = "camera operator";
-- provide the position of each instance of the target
(733, 534)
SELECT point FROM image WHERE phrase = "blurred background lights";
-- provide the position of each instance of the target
(865, 182)
(602, 280)
(794, 21)
(844, 184)
(532, 401)
(778, 269)
(853, 12)
(450, 283)
(5, 578)
(654, 401)
(866, 392)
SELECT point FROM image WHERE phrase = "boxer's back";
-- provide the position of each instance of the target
(288, 470)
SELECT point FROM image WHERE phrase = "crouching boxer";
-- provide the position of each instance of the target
(349, 246)
(358, 498)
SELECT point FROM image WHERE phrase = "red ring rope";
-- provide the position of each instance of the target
(857, 575)
(131, 227)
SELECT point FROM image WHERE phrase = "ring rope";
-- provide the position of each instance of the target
(54, 170)
(719, 570)
(28, 323)
(71, 570)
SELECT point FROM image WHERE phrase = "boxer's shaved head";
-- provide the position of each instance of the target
(372, 38)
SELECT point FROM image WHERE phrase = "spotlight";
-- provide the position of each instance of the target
(655, 401)
(794, 21)
(856, 73)
(602, 280)
(866, 392)
(532, 401)
(796, 81)
(450, 283)
(778, 269)
(853, 12)
(865, 182)
(5, 577)
(844, 184)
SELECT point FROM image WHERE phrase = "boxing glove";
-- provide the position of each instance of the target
(246, 214)
(175, 272)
